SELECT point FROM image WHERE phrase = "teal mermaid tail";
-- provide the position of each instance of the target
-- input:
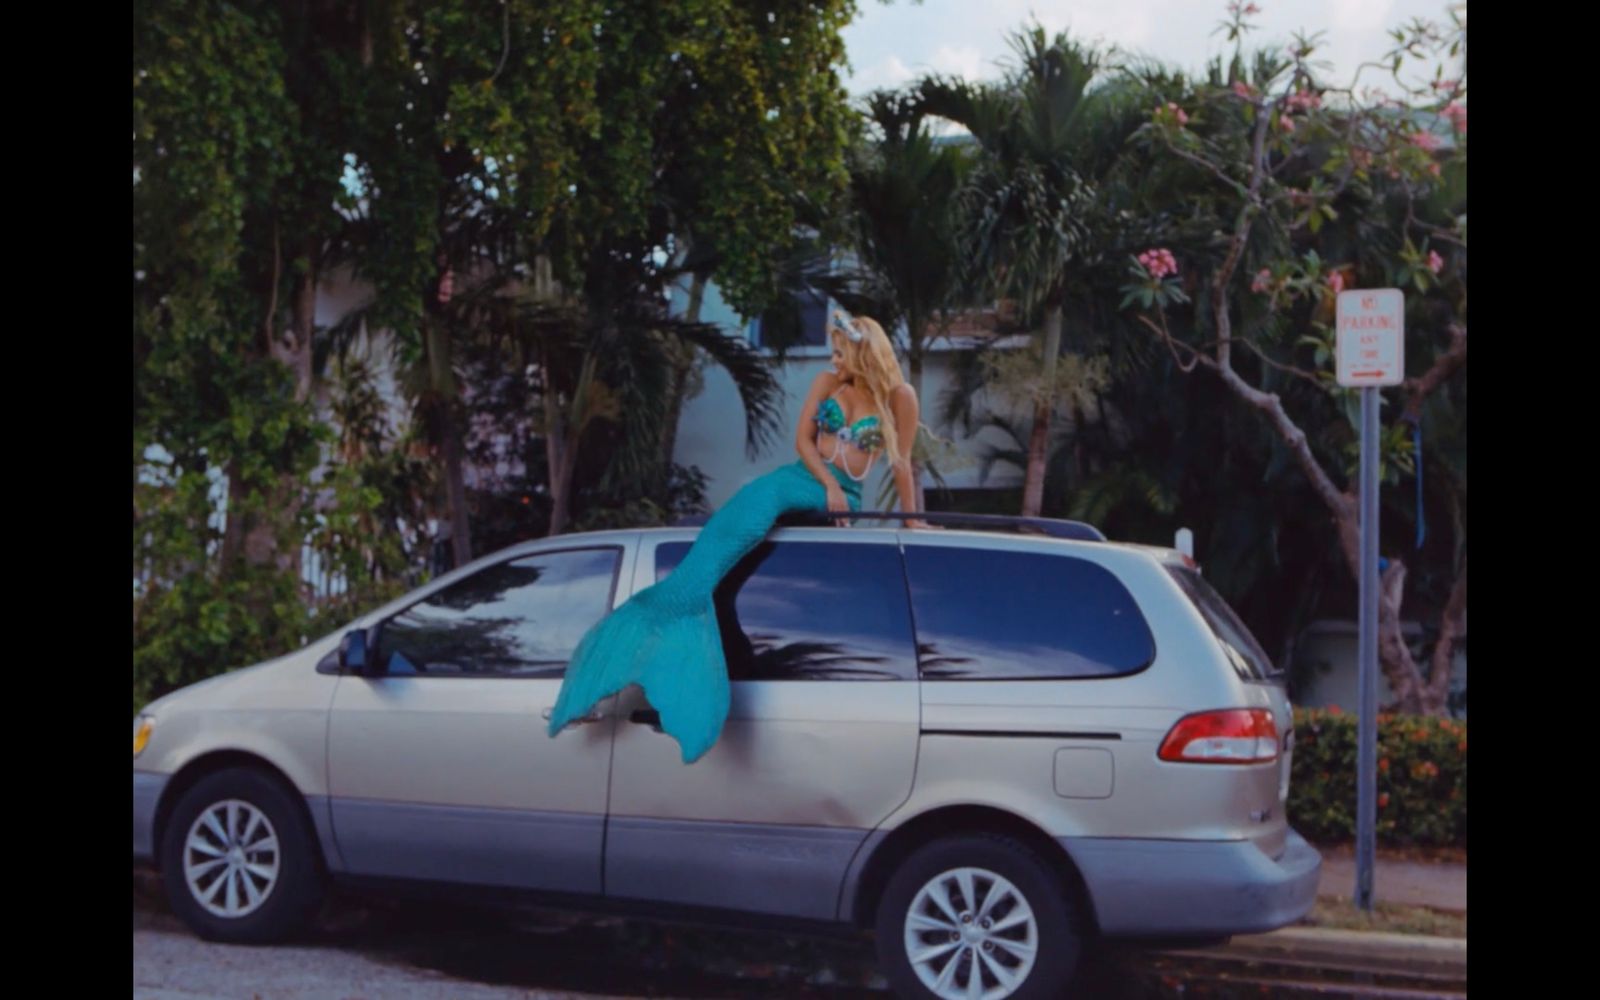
(669, 646)
(665, 637)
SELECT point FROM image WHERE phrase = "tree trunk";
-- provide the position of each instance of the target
(233, 523)
(1452, 625)
(455, 484)
(441, 384)
(562, 455)
(259, 536)
(556, 452)
(1039, 440)
(1414, 692)
(683, 356)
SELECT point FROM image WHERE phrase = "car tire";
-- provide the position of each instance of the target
(985, 901)
(239, 859)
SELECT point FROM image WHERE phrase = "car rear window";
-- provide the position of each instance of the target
(1242, 649)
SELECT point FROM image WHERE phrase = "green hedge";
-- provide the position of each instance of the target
(1422, 778)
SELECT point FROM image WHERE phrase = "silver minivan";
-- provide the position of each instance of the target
(989, 746)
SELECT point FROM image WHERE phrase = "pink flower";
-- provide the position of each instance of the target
(1336, 281)
(1443, 85)
(1243, 90)
(1303, 100)
(1426, 141)
(1435, 262)
(1263, 281)
(1286, 123)
(1251, 8)
(1433, 168)
(1159, 262)
(1457, 113)
(1183, 119)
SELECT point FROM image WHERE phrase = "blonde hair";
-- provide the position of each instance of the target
(877, 371)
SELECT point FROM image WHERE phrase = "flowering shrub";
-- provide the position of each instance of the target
(1422, 778)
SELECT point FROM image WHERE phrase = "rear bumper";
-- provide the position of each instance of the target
(1154, 888)
(147, 788)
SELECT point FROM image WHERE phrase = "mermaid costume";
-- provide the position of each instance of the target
(665, 637)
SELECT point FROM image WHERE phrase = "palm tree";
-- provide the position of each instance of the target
(1030, 224)
(903, 188)
(604, 360)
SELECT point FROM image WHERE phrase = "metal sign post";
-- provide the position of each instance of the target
(1367, 732)
(1370, 353)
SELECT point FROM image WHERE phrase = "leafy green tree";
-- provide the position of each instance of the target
(221, 431)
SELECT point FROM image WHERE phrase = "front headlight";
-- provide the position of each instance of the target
(142, 727)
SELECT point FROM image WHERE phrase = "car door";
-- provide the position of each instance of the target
(439, 766)
(819, 746)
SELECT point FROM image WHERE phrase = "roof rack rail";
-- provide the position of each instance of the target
(1051, 526)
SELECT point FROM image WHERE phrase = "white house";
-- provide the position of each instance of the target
(711, 430)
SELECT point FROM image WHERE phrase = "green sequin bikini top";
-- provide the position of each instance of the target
(866, 434)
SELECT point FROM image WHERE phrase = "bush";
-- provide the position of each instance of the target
(1422, 778)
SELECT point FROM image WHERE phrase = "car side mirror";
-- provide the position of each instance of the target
(353, 651)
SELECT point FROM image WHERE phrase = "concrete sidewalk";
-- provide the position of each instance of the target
(1438, 885)
(1330, 949)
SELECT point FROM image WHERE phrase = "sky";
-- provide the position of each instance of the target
(892, 44)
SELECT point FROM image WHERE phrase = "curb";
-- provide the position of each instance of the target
(1415, 954)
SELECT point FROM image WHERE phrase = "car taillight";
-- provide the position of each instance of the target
(1229, 736)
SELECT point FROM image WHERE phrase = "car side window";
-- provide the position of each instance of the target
(812, 611)
(1001, 615)
(521, 618)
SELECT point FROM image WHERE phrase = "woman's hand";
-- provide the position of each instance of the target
(837, 500)
(914, 522)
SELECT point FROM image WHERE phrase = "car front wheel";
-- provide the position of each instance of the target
(239, 861)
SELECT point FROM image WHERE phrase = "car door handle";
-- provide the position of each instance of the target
(595, 716)
(646, 717)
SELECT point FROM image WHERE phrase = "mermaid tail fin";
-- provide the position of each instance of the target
(674, 654)
(665, 638)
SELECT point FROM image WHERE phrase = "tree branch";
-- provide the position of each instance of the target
(1241, 236)
(1441, 233)
(1196, 357)
(1447, 364)
(1290, 369)
(1339, 503)
(1206, 164)
(505, 49)
(267, 331)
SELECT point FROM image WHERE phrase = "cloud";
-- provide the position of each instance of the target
(964, 61)
(889, 72)
(1361, 15)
